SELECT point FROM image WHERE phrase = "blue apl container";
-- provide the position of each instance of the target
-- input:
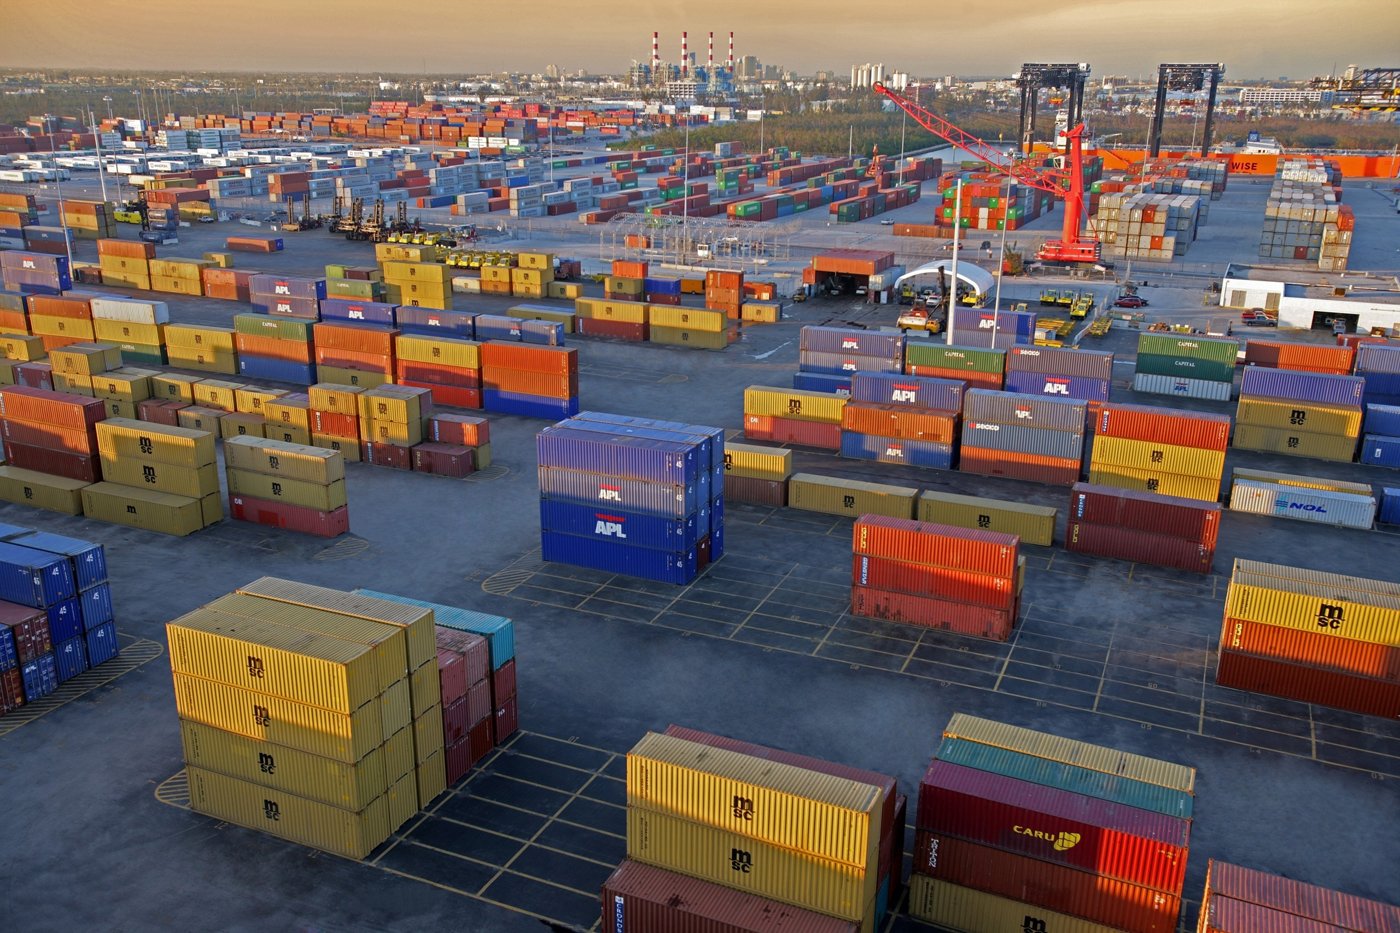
(431, 322)
(498, 631)
(896, 450)
(498, 327)
(1390, 506)
(102, 644)
(364, 312)
(636, 529)
(96, 606)
(273, 370)
(847, 364)
(65, 620)
(649, 458)
(685, 443)
(70, 658)
(542, 333)
(1080, 387)
(530, 406)
(823, 382)
(1296, 386)
(287, 286)
(1383, 420)
(34, 578)
(850, 341)
(89, 560)
(925, 392)
(1378, 450)
(677, 567)
(711, 440)
(1378, 358)
(637, 495)
(40, 677)
(306, 309)
(980, 320)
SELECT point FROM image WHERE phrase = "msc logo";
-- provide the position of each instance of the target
(610, 493)
(255, 667)
(984, 521)
(271, 811)
(1056, 388)
(904, 394)
(261, 717)
(1033, 925)
(609, 526)
(848, 502)
(742, 808)
(266, 763)
(1061, 841)
(1298, 416)
(740, 861)
(1329, 616)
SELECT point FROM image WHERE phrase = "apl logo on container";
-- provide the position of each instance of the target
(281, 288)
(1061, 840)
(848, 343)
(986, 322)
(27, 264)
(609, 526)
(849, 366)
(1025, 414)
(1056, 387)
(904, 393)
(894, 450)
(355, 313)
(610, 493)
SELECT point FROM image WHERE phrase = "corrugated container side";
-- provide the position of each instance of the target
(939, 545)
(882, 573)
(1033, 524)
(1142, 547)
(1319, 506)
(1017, 408)
(957, 908)
(1299, 898)
(852, 498)
(1308, 684)
(1182, 387)
(1163, 426)
(1302, 386)
(1317, 649)
(933, 612)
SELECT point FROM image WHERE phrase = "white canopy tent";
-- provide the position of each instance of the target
(975, 277)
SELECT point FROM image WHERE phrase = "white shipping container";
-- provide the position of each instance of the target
(1308, 505)
(466, 284)
(1182, 388)
(130, 310)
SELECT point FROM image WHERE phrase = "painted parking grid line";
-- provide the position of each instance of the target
(135, 652)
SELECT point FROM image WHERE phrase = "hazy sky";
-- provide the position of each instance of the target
(1298, 38)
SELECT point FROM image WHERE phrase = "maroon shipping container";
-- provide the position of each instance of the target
(1363, 658)
(643, 898)
(1118, 841)
(770, 492)
(792, 431)
(291, 517)
(452, 677)
(1060, 888)
(475, 652)
(1142, 547)
(457, 759)
(386, 455)
(73, 440)
(985, 552)
(29, 628)
(467, 430)
(76, 466)
(1342, 911)
(503, 682)
(479, 702)
(1188, 519)
(892, 849)
(1155, 425)
(11, 690)
(961, 586)
(618, 330)
(507, 720)
(452, 460)
(932, 612)
(57, 408)
(483, 739)
(1052, 471)
(1308, 684)
(1225, 915)
(455, 717)
(35, 375)
(334, 423)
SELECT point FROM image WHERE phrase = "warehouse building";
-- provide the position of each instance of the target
(1311, 305)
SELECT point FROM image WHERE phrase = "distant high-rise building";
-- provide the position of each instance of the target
(552, 71)
(748, 67)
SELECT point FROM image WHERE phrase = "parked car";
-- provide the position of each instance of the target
(1257, 317)
(1131, 301)
(887, 223)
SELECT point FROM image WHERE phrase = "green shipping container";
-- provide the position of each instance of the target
(270, 325)
(1215, 349)
(942, 356)
(1185, 368)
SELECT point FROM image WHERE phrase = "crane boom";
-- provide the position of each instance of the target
(1072, 246)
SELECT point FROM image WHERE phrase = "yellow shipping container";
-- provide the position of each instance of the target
(288, 412)
(417, 621)
(1300, 416)
(606, 309)
(735, 861)
(217, 393)
(29, 487)
(427, 732)
(349, 447)
(287, 434)
(22, 347)
(495, 273)
(699, 339)
(1295, 443)
(1303, 482)
(127, 332)
(177, 286)
(196, 482)
(1168, 458)
(564, 290)
(1309, 607)
(85, 358)
(624, 285)
(118, 409)
(173, 387)
(128, 384)
(251, 399)
(432, 778)
(536, 261)
(199, 335)
(797, 404)
(323, 497)
(532, 313)
(853, 498)
(123, 439)
(7, 372)
(398, 253)
(1205, 488)
(419, 272)
(179, 268)
(145, 508)
(533, 277)
(692, 319)
(401, 404)
(287, 816)
(831, 817)
(74, 383)
(43, 325)
(294, 461)
(204, 359)
(391, 432)
(220, 260)
(354, 378)
(957, 908)
(1072, 752)
(241, 424)
(1259, 573)
(445, 351)
(425, 685)
(197, 417)
(761, 312)
(1034, 524)
(755, 462)
(125, 279)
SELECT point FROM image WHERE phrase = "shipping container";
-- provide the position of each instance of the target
(1313, 648)
(897, 421)
(958, 908)
(1033, 524)
(1308, 684)
(1187, 519)
(1203, 488)
(793, 431)
(851, 498)
(1311, 418)
(919, 392)
(933, 612)
(603, 521)
(678, 566)
(1144, 547)
(1182, 387)
(1037, 468)
(1303, 606)
(755, 462)
(1308, 505)
(1013, 408)
(1309, 901)
(956, 548)
(763, 492)
(793, 404)
(960, 586)
(1018, 438)
(1302, 386)
(898, 450)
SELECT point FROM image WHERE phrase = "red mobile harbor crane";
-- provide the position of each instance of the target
(1072, 247)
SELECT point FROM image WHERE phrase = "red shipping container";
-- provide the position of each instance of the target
(451, 460)
(11, 690)
(29, 629)
(448, 396)
(480, 703)
(1308, 684)
(755, 491)
(1053, 471)
(387, 455)
(354, 359)
(645, 898)
(899, 421)
(475, 652)
(1363, 658)
(483, 739)
(506, 721)
(1163, 425)
(455, 726)
(290, 517)
(452, 678)
(1225, 915)
(467, 430)
(503, 682)
(73, 440)
(48, 407)
(619, 330)
(792, 431)
(1053, 886)
(1305, 357)
(333, 423)
(1143, 547)
(529, 383)
(361, 338)
(78, 466)
(960, 586)
(1171, 516)
(974, 380)
(932, 612)
(1344, 911)
(987, 552)
(457, 760)
(524, 357)
(1115, 840)
(436, 374)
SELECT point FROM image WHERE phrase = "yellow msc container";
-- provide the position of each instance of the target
(1295, 443)
(173, 387)
(957, 908)
(275, 458)
(85, 358)
(740, 862)
(199, 418)
(217, 393)
(179, 268)
(1302, 482)
(288, 412)
(830, 817)
(427, 731)
(400, 404)
(118, 409)
(755, 462)
(287, 816)
(208, 336)
(347, 786)
(1260, 573)
(698, 339)
(22, 347)
(177, 285)
(1034, 524)
(44, 325)
(432, 778)
(565, 290)
(1071, 752)
(1309, 607)
(196, 482)
(761, 312)
(428, 272)
(240, 424)
(348, 447)
(853, 498)
(607, 309)
(444, 351)
(693, 319)
(535, 261)
(797, 404)
(129, 384)
(335, 397)
(120, 439)
(323, 497)
(1167, 458)
(251, 399)
(128, 332)
(145, 508)
(204, 359)
(73, 383)
(1300, 416)
(40, 490)
(287, 433)
(1205, 488)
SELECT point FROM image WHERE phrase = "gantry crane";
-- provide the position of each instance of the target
(1072, 247)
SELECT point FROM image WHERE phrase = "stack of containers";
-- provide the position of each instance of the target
(1336, 360)
(28, 669)
(1379, 365)
(61, 319)
(979, 367)
(87, 220)
(828, 356)
(287, 296)
(73, 367)
(282, 485)
(1316, 637)
(287, 418)
(392, 421)
(724, 291)
(454, 437)
(520, 379)
(1033, 524)
(936, 576)
(156, 477)
(226, 284)
(449, 366)
(894, 418)
(756, 475)
(1381, 444)
(1060, 372)
(688, 327)
(135, 326)
(979, 327)
(524, 329)
(1160, 450)
(600, 317)
(1033, 437)
(126, 262)
(419, 284)
(793, 416)
(1186, 367)
(121, 390)
(622, 496)
(334, 417)
(274, 347)
(1243, 900)
(464, 672)
(1299, 414)
(51, 432)
(202, 347)
(1144, 527)
(179, 276)
(531, 277)
(1303, 498)
(35, 273)
(766, 833)
(1019, 829)
(353, 354)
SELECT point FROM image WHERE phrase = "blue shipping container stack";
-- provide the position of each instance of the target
(1381, 444)
(827, 357)
(980, 327)
(1058, 371)
(1379, 365)
(634, 496)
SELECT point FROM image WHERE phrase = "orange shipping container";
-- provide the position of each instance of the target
(362, 338)
(68, 306)
(1332, 360)
(355, 359)
(531, 383)
(528, 358)
(128, 249)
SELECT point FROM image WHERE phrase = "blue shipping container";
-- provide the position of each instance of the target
(981, 320)
(846, 340)
(264, 367)
(306, 309)
(530, 406)
(498, 631)
(34, 578)
(661, 533)
(498, 327)
(710, 440)
(896, 450)
(1390, 506)
(96, 606)
(40, 677)
(9, 651)
(9, 532)
(432, 322)
(847, 364)
(367, 312)
(823, 382)
(1383, 420)
(1378, 358)
(924, 392)
(542, 333)
(655, 459)
(1093, 390)
(70, 658)
(632, 494)
(677, 567)
(1378, 450)
(102, 644)
(1301, 386)
(89, 560)
(684, 443)
(65, 620)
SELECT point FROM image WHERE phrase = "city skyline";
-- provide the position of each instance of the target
(366, 36)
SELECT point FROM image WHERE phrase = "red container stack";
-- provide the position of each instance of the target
(1243, 900)
(1144, 527)
(362, 347)
(456, 446)
(464, 670)
(51, 432)
(936, 576)
(724, 291)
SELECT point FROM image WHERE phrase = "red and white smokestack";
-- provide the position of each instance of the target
(685, 55)
(655, 51)
(710, 61)
(730, 63)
